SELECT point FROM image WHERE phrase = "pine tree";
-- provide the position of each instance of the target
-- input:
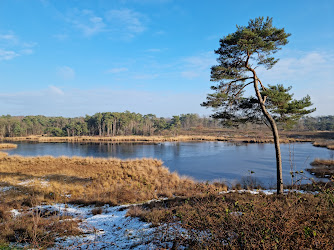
(239, 55)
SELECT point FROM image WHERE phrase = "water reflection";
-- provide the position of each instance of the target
(200, 160)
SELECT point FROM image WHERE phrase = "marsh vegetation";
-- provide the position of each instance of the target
(7, 145)
(245, 221)
(196, 215)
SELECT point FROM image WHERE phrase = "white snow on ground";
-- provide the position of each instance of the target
(109, 230)
(5, 189)
(32, 182)
(15, 212)
(113, 230)
(268, 191)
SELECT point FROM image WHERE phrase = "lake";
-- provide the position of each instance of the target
(203, 161)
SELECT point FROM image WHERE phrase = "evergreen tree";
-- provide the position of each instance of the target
(239, 55)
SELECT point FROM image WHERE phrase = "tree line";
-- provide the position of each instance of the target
(127, 123)
(323, 123)
(102, 124)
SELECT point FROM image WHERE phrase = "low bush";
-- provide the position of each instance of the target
(245, 221)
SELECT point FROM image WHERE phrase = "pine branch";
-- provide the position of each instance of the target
(243, 88)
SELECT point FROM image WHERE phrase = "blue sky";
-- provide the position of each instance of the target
(79, 57)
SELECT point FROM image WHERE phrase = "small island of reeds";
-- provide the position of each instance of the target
(7, 145)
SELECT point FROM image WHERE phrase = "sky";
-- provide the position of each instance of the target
(76, 57)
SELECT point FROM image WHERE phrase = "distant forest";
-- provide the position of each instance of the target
(101, 124)
(127, 123)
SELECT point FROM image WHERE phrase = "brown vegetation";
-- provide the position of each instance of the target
(33, 228)
(248, 138)
(7, 145)
(93, 180)
(208, 219)
(244, 221)
(324, 143)
(131, 138)
(2, 154)
(322, 168)
(31, 181)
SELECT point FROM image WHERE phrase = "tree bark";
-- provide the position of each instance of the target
(273, 129)
(276, 137)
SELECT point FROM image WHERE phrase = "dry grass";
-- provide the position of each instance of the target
(322, 168)
(118, 138)
(240, 137)
(94, 180)
(244, 221)
(327, 135)
(7, 145)
(266, 139)
(322, 162)
(3, 154)
(209, 220)
(33, 228)
(324, 143)
(31, 181)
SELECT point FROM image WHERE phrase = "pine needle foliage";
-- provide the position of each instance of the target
(247, 48)
(239, 55)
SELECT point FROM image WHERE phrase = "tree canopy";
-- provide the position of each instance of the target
(239, 55)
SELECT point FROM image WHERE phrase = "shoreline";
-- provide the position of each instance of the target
(153, 139)
(70, 199)
(7, 146)
(317, 142)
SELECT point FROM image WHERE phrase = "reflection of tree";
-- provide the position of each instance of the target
(176, 149)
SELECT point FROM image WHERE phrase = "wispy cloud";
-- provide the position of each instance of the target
(198, 65)
(60, 37)
(56, 90)
(310, 70)
(308, 73)
(148, 1)
(9, 37)
(213, 37)
(87, 22)
(26, 52)
(160, 33)
(116, 70)
(6, 55)
(66, 73)
(189, 74)
(145, 76)
(11, 46)
(75, 102)
(126, 22)
(117, 23)
(153, 50)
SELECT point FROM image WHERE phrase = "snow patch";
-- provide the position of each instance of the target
(267, 191)
(5, 189)
(32, 182)
(109, 230)
(15, 212)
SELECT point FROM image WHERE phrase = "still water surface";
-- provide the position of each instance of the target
(200, 160)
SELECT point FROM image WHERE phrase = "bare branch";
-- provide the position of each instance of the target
(242, 88)
(240, 79)
(246, 63)
(263, 87)
(228, 87)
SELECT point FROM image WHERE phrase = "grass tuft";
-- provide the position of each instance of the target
(7, 145)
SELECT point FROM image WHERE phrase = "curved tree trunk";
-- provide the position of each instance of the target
(273, 129)
(275, 134)
(278, 160)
